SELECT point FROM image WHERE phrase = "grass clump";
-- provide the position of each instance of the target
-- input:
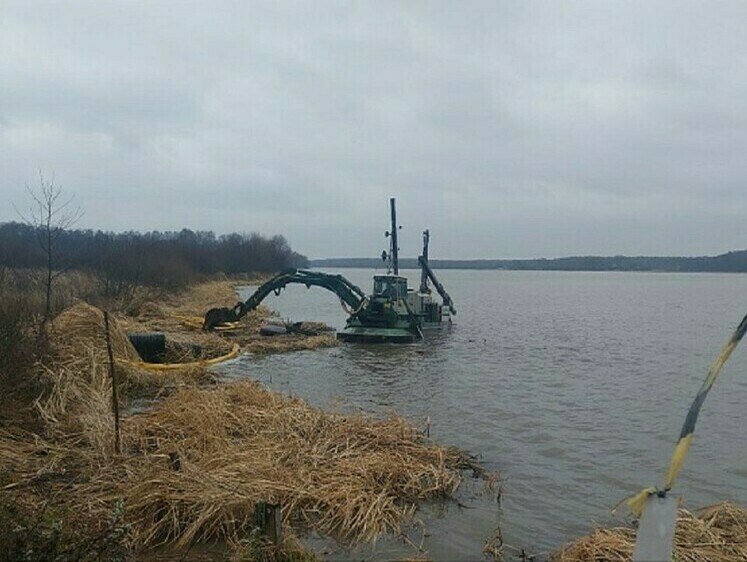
(194, 469)
(350, 477)
(712, 534)
(289, 342)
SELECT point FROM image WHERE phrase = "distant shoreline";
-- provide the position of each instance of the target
(730, 262)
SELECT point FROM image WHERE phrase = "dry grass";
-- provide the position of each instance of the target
(80, 329)
(493, 547)
(76, 374)
(289, 342)
(187, 308)
(77, 401)
(347, 476)
(713, 534)
(66, 289)
(78, 405)
(180, 317)
(199, 298)
(351, 477)
(142, 383)
(27, 458)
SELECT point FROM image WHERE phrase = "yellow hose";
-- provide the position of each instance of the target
(175, 366)
(227, 326)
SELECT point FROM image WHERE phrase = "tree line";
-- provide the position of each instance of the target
(735, 262)
(162, 259)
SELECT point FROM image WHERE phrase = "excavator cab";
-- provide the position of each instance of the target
(387, 302)
(392, 287)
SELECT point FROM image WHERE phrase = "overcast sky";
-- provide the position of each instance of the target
(510, 129)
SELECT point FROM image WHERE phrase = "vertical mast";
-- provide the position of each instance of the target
(395, 249)
(423, 273)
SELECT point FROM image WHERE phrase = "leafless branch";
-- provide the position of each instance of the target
(50, 214)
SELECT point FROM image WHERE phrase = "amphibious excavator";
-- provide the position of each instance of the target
(392, 313)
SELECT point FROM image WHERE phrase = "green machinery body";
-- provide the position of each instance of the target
(380, 317)
(392, 313)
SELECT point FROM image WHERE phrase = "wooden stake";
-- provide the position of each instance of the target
(268, 519)
(274, 523)
(112, 372)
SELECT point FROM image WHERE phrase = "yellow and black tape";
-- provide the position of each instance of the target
(636, 502)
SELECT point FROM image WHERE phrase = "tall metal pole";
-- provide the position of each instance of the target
(395, 249)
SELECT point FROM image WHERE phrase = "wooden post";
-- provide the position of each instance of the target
(274, 523)
(268, 518)
(112, 373)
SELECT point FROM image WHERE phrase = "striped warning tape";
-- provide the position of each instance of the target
(635, 503)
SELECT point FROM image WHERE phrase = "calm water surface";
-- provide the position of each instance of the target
(572, 385)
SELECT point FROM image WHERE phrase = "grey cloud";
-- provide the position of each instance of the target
(511, 129)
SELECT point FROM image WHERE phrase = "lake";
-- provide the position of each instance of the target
(572, 385)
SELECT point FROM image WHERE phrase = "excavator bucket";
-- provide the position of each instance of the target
(216, 316)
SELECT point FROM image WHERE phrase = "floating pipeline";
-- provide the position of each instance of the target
(176, 366)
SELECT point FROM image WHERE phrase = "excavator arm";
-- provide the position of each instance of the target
(440, 288)
(349, 293)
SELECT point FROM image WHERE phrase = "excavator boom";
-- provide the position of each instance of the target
(349, 293)
(440, 288)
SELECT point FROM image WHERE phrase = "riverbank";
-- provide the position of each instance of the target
(59, 454)
(195, 468)
(179, 317)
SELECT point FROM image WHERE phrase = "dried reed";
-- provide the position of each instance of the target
(80, 329)
(347, 476)
(351, 477)
(277, 344)
(27, 458)
(77, 401)
(78, 404)
(180, 316)
(713, 534)
(143, 383)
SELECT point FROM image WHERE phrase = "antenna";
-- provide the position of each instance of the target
(395, 250)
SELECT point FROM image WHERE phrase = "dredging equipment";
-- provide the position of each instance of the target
(407, 311)
(392, 313)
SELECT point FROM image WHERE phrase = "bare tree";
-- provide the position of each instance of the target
(50, 214)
